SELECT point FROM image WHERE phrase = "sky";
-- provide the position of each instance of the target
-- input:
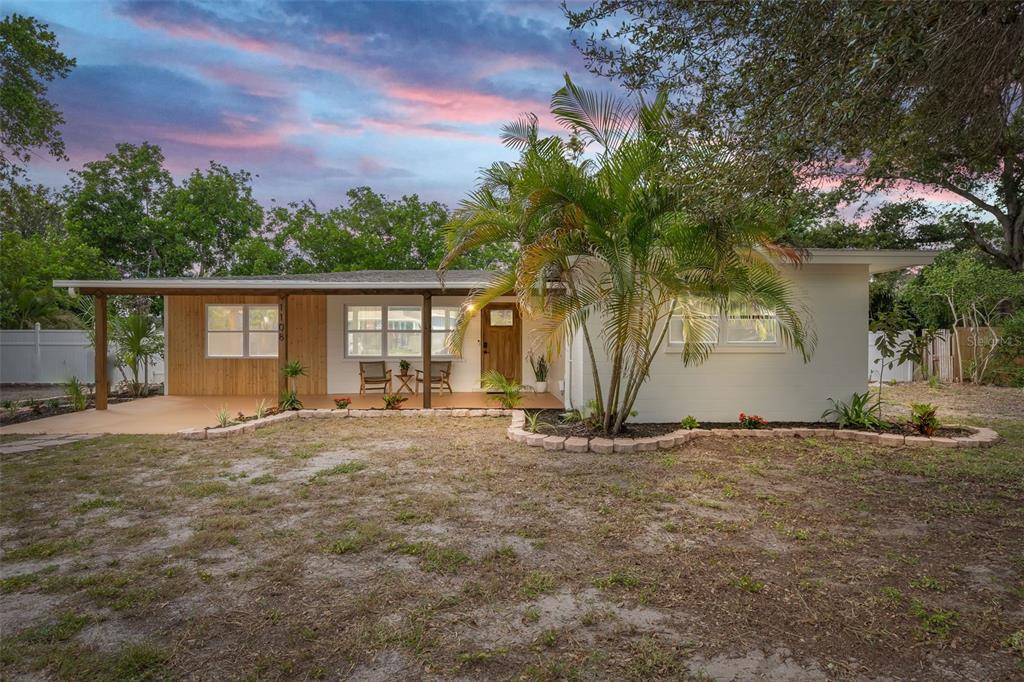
(312, 97)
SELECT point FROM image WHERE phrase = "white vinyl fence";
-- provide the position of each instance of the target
(901, 373)
(52, 356)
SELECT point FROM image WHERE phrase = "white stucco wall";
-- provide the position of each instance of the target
(776, 385)
(343, 372)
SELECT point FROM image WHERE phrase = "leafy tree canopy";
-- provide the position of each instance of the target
(371, 232)
(28, 266)
(116, 205)
(213, 211)
(882, 92)
(29, 59)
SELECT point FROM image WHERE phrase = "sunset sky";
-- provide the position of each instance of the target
(315, 98)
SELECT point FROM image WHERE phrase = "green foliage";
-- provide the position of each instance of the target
(627, 242)
(371, 232)
(262, 408)
(28, 266)
(137, 340)
(533, 421)
(29, 59)
(342, 403)
(689, 422)
(885, 100)
(76, 393)
(224, 418)
(1007, 368)
(936, 622)
(115, 206)
(293, 369)
(510, 392)
(393, 401)
(860, 413)
(213, 212)
(289, 400)
(923, 417)
(959, 290)
(540, 367)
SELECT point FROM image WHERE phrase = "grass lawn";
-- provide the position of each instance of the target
(420, 548)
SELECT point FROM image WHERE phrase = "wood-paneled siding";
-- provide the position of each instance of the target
(190, 372)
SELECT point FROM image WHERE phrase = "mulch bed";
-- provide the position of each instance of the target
(42, 409)
(649, 430)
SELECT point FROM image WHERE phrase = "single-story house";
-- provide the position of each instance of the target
(231, 336)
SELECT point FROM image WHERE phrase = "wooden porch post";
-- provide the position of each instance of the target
(425, 328)
(282, 343)
(100, 301)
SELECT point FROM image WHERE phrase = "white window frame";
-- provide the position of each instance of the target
(384, 331)
(244, 331)
(726, 345)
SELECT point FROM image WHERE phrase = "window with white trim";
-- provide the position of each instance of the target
(241, 331)
(751, 325)
(395, 331)
(740, 326)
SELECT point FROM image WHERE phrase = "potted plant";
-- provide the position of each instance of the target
(404, 367)
(540, 373)
(393, 401)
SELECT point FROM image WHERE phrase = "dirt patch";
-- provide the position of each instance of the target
(445, 551)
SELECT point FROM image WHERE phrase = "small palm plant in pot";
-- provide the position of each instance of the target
(403, 366)
(290, 396)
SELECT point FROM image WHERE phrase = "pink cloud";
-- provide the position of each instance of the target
(251, 82)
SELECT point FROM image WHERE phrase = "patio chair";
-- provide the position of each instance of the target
(372, 375)
(440, 373)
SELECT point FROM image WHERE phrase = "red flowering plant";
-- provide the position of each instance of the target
(752, 421)
(342, 403)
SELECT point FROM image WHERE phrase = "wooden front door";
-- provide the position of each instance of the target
(501, 340)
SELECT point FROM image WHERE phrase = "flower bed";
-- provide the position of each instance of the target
(959, 437)
(253, 424)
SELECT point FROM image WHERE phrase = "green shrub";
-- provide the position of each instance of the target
(689, 422)
(923, 418)
(510, 392)
(860, 413)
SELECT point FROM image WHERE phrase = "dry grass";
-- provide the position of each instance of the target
(322, 550)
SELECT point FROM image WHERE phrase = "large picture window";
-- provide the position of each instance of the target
(241, 331)
(395, 331)
(740, 326)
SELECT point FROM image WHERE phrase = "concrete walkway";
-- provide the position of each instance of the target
(31, 443)
(172, 413)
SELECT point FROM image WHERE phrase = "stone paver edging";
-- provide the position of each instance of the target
(249, 426)
(979, 437)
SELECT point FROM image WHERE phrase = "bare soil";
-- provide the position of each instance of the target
(436, 549)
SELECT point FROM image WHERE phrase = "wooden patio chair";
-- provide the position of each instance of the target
(372, 375)
(440, 373)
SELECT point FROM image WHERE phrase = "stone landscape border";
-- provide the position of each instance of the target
(979, 437)
(211, 433)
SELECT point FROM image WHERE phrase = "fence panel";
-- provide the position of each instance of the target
(51, 356)
(940, 356)
(902, 372)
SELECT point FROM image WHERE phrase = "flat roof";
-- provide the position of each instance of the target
(453, 282)
(877, 260)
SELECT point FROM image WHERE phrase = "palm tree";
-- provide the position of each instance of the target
(137, 340)
(647, 225)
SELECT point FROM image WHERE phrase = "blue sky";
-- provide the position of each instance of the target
(314, 98)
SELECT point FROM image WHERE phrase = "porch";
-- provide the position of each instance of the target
(171, 413)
